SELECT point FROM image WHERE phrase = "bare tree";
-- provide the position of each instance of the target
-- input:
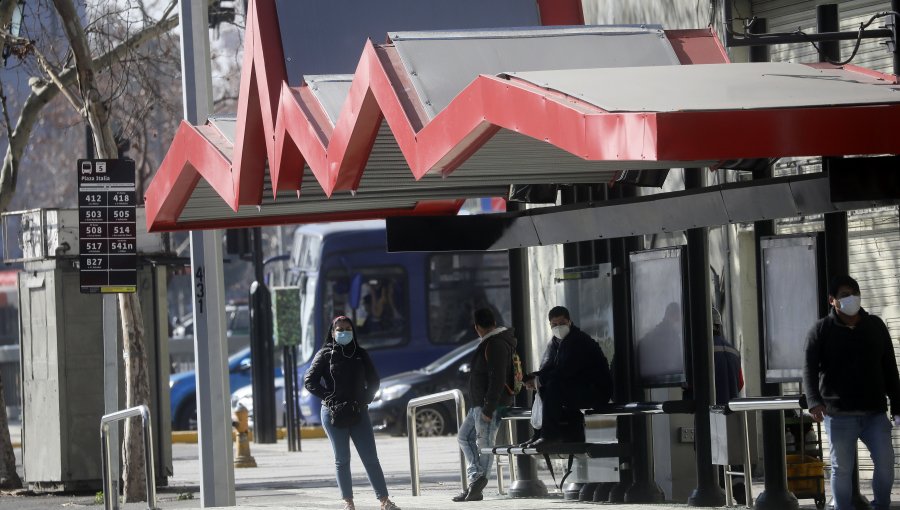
(77, 80)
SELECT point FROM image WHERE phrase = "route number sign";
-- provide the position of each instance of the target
(107, 225)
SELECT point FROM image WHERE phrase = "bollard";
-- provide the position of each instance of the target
(243, 459)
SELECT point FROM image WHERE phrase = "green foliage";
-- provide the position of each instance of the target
(183, 496)
(98, 498)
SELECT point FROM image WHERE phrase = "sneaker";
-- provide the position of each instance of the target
(387, 504)
(348, 505)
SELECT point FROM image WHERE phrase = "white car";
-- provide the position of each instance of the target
(244, 396)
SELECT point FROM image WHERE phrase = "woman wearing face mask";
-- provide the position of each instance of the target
(343, 376)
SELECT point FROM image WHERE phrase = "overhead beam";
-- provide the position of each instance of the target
(744, 202)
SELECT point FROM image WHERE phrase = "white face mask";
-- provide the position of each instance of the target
(849, 305)
(560, 331)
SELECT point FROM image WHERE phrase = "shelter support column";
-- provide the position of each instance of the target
(708, 492)
(775, 495)
(527, 484)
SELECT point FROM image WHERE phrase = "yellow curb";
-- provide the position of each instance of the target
(190, 436)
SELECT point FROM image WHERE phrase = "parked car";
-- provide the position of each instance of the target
(450, 371)
(183, 389)
(181, 343)
(244, 396)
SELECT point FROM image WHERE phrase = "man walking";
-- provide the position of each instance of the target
(490, 366)
(850, 369)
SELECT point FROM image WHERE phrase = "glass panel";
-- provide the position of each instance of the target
(459, 284)
(587, 293)
(791, 303)
(381, 315)
(657, 310)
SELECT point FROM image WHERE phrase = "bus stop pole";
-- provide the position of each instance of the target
(210, 350)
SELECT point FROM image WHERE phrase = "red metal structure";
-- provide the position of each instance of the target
(288, 128)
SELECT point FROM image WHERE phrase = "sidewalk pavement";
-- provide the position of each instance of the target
(305, 480)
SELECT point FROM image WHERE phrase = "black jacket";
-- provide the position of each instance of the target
(342, 374)
(490, 370)
(575, 369)
(851, 370)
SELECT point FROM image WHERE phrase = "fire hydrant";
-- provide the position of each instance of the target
(243, 459)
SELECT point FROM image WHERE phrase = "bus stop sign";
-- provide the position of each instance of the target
(107, 228)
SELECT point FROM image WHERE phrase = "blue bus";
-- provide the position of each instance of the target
(409, 308)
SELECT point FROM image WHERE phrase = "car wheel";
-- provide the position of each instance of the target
(186, 417)
(430, 422)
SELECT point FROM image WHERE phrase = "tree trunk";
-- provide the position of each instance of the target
(9, 478)
(137, 386)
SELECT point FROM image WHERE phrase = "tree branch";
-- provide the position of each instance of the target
(41, 94)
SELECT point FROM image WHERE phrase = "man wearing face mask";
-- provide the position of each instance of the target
(850, 369)
(574, 375)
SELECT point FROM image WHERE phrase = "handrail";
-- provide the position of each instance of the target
(111, 496)
(635, 408)
(767, 403)
(411, 407)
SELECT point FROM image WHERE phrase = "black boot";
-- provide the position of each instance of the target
(475, 489)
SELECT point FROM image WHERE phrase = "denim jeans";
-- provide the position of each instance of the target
(875, 432)
(475, 434)
(364, 439)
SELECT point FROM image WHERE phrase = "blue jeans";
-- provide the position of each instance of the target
(875, 432)
(364, 439)
(475, 434)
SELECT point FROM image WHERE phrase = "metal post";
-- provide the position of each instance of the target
(262, 352)
(775, 495)
(111, 381)
(638, 485)
(701, 375)
(527, 484)
(894, 44)
(111, 501)
(837, 257)
(411, 407)
(210, 348)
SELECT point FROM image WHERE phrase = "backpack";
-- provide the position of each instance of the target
(514, 377)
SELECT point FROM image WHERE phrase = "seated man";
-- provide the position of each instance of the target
(574, 375)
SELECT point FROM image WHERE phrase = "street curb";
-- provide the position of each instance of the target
(190, 436)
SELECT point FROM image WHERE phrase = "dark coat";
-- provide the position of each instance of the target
(576, 370)
(490, 371)
(342, 374)
(851, 370)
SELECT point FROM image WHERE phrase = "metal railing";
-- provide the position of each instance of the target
(411, 407)
(111, 494)
(767, 403)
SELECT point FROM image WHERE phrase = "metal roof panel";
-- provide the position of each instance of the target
(712, 87)
(441, 64)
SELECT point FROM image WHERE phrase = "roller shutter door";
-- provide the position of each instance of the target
(789, 15)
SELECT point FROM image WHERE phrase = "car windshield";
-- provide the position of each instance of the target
(450, 357)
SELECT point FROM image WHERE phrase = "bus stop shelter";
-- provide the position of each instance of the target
(430, 118)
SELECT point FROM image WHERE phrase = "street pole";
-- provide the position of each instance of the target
(210, 348)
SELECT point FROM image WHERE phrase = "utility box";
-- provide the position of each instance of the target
(62, 357)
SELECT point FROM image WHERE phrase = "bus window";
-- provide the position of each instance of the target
(459, 284)
(381, 316)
